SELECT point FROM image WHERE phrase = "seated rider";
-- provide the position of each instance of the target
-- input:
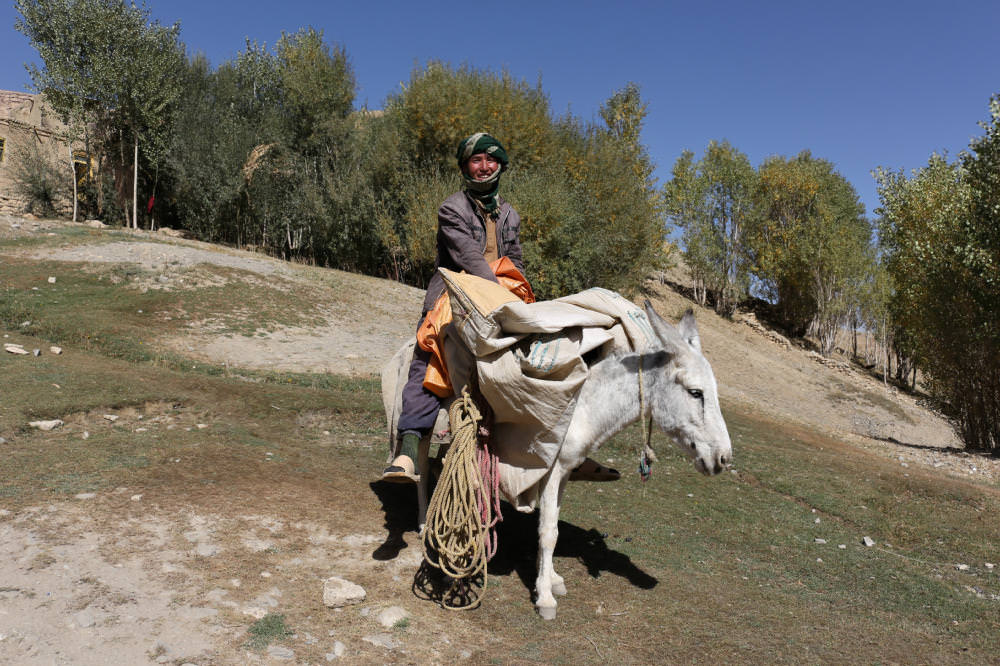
(475, 227)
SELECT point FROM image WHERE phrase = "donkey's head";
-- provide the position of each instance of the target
(684, 398)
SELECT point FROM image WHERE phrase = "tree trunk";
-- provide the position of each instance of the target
(854, 336)
(885, 345)
(72, 170)
(135, 185)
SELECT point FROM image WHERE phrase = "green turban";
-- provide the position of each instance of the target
(484, 191)
(481, 142)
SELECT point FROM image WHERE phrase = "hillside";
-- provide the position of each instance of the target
(221, 438)
(308, 319)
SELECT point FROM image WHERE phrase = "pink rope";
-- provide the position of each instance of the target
(488, 495)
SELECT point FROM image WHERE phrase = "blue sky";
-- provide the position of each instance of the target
(861, 84)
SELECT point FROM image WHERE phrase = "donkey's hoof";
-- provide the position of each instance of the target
(559, 588)
(547, 612)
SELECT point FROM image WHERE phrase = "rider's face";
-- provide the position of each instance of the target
(481, 166)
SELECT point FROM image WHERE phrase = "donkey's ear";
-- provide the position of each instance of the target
(647, 361)
(669, 337)
(689, 330)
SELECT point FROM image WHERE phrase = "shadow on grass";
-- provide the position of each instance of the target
(518, 548)
(518, 540)
(399, 503)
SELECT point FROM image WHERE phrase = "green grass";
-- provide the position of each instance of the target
(748, 541)
(71, 235)
(846, 394)
(266, 630)
(92, 309)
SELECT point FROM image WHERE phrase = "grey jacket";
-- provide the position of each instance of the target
(461, 241)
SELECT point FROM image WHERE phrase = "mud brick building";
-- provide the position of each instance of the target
(26, 123)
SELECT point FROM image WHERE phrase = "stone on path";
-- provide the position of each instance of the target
(55, 350)
(382, 640)
(868, 541)
(280, 653)
(85, 618)
(338, 651)
(11, 348)
(46, 425)
(110, 417)
(392, 615)
(338, 592)
(85, 496)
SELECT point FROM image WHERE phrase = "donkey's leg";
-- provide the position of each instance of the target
(548, 532)
(558, 585)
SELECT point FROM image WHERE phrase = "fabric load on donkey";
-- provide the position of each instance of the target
(529, 361)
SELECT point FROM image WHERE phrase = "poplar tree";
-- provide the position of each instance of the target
(809, 244)
(712, 202)
(940, 229)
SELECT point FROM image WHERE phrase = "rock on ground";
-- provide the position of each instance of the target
(46, 425)
(389, 617)
(382, 640)
(338, 592)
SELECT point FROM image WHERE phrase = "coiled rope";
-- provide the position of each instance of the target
(459, 535)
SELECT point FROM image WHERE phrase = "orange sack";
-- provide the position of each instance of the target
(429, 335)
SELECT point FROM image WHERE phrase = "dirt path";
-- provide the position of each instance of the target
(120, 574)
(355, 337)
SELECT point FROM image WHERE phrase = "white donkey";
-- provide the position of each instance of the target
(672, 383)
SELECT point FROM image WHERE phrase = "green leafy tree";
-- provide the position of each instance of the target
(940, 227)
(108, 66)
(227, 121)
(318, 90)
(624, 113)
(809, 243)
(297, 172)
(442, 105)
(591, 214)
(712, 202)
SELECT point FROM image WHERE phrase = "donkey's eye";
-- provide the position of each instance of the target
(696, 393)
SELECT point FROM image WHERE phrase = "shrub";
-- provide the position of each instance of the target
(37, 179)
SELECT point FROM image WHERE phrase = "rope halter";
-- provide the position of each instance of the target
(646, 455)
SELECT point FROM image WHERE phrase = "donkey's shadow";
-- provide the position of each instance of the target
(517, 537)
(517, 551)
